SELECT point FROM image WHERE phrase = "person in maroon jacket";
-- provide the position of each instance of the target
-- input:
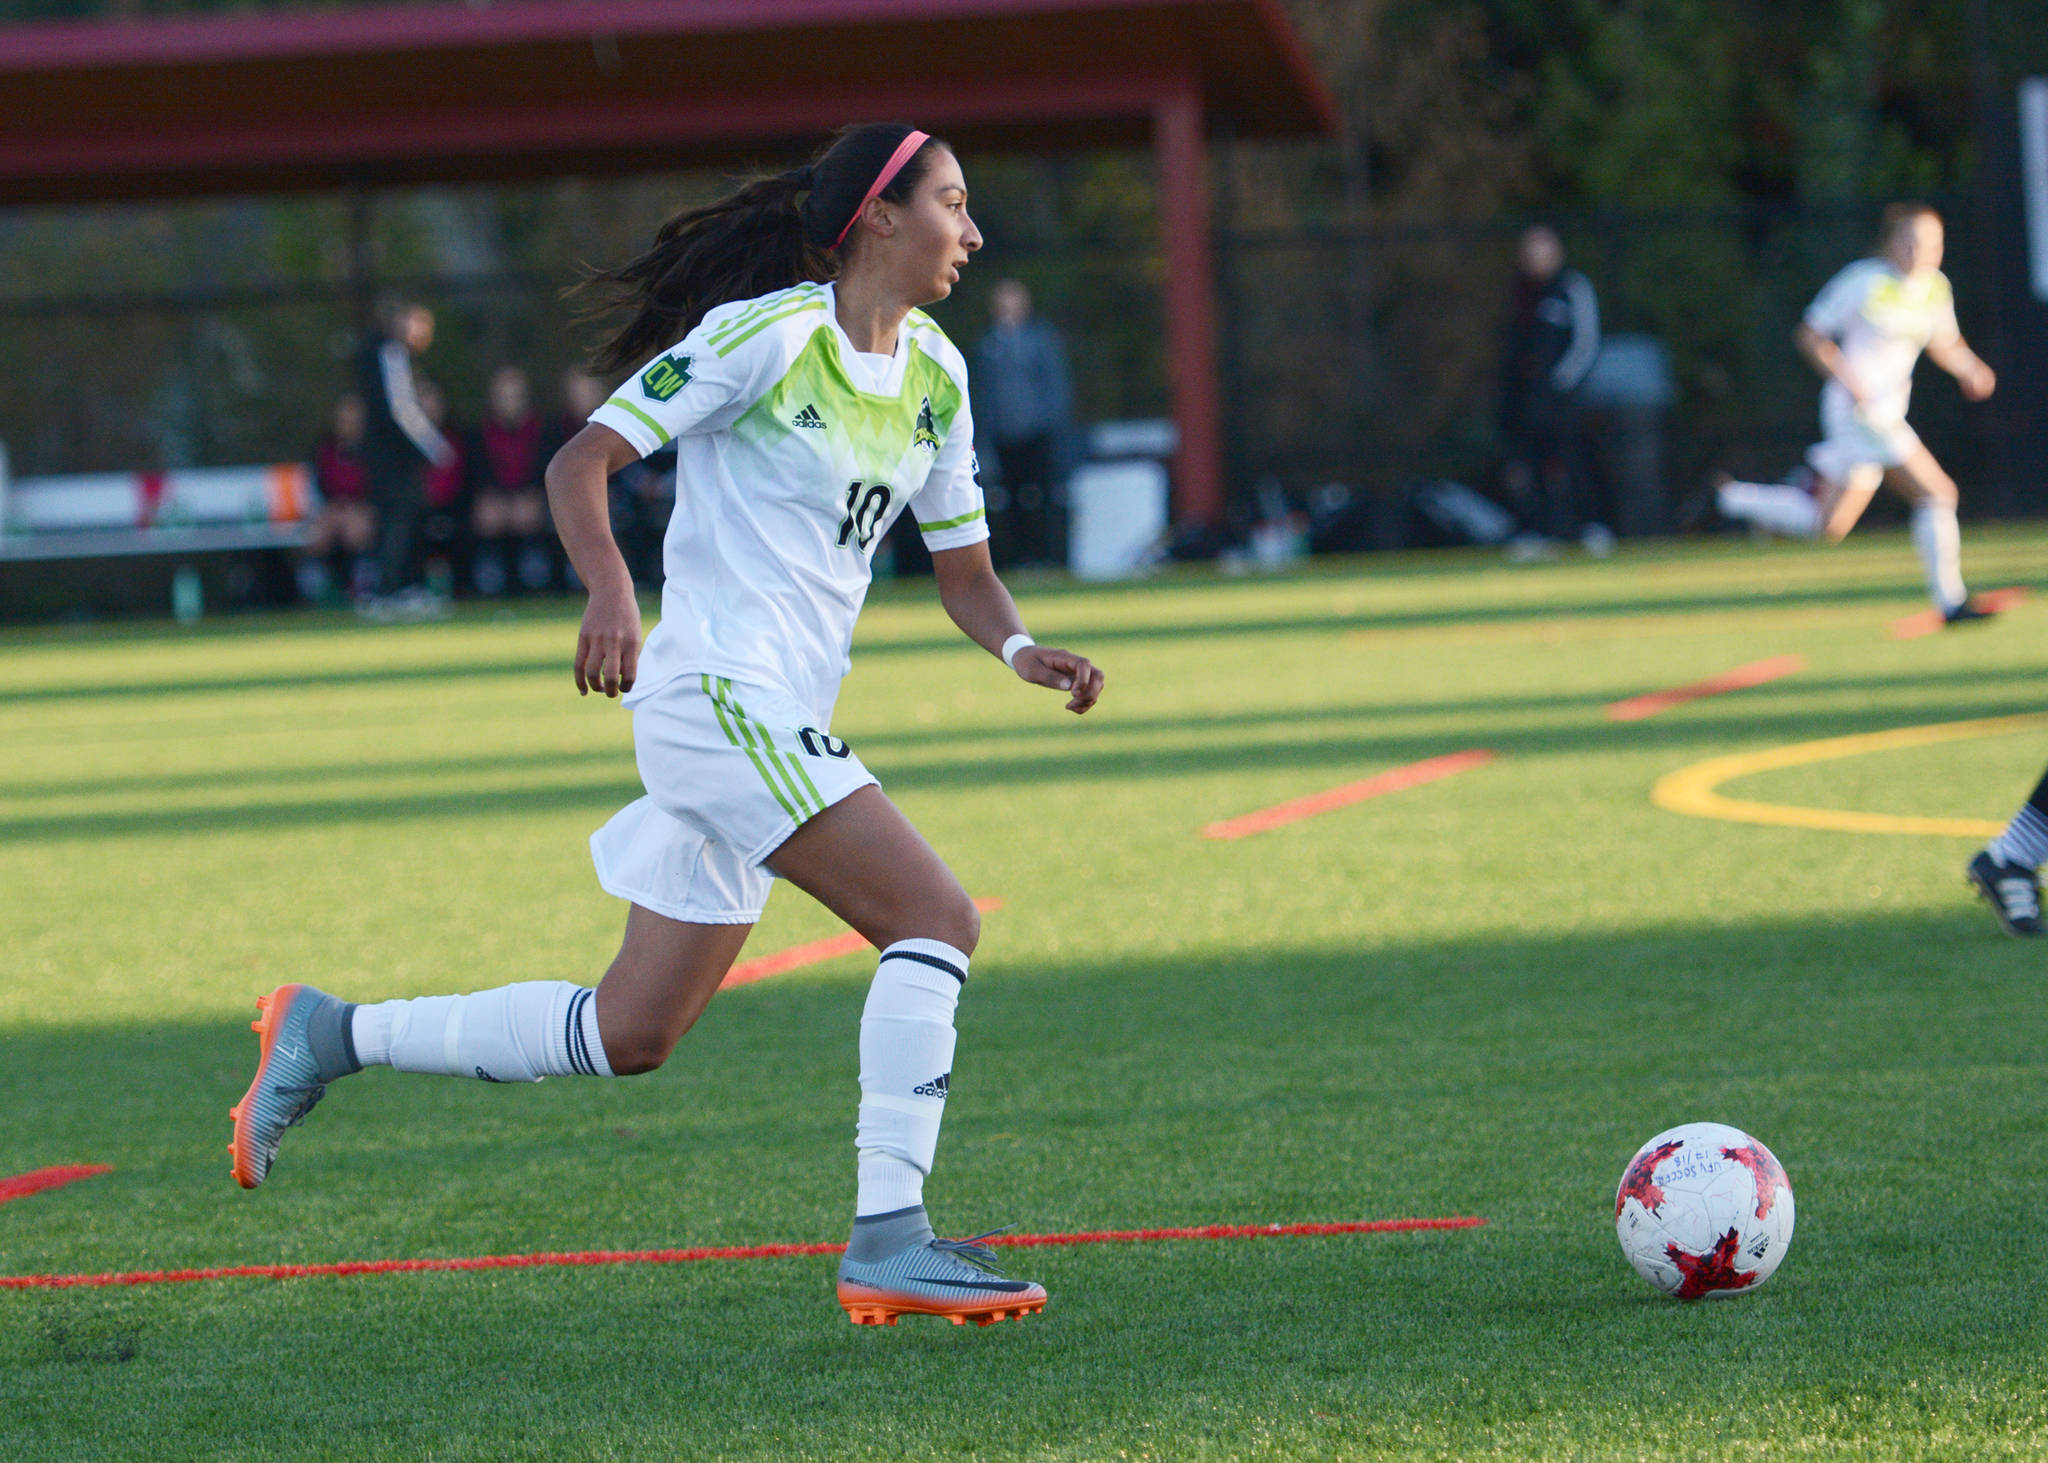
(346, 525)
(508, 515)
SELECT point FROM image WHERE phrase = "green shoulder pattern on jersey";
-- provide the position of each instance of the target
(870, 434)
(765, 312)
(761, 305)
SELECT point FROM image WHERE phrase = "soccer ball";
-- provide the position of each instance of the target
(1704, 1210)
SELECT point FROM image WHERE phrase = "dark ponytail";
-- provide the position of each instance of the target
(774, 232)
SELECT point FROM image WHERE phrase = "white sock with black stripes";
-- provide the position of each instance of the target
(906, 1064)
(515, 1033)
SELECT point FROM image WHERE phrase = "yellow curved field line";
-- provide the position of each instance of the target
(1694, 790)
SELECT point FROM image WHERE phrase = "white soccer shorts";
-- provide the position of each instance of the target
(1856, 438)
(731, 770)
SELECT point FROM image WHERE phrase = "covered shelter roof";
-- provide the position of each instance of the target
(387, 95)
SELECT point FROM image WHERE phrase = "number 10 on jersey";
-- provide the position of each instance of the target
(866, 505)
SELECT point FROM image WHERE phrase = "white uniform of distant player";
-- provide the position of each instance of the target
(1864, 333)
(1881, 321)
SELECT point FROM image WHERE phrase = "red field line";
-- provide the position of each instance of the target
(37, 1180)
(1415, 774)
(1756, 673)
(1928, 621)
(728, 1252)
(760, 968)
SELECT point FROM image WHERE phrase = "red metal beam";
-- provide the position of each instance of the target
(1183, 155)
(674, 132)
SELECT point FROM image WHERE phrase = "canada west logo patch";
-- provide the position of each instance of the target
(666, 377)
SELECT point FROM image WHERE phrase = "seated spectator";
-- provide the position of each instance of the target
(642, 494)
(345, 528)
(444, 484)
(509, 512)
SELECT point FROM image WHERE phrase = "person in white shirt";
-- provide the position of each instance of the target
(1864, 333)
(776, 339)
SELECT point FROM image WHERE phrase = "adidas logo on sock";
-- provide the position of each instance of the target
(808, 417)
(934, 1088)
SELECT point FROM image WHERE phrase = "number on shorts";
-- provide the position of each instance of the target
(822, 744)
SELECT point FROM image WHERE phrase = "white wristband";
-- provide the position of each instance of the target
(1014, 644)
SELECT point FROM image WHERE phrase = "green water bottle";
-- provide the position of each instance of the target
(187, 598)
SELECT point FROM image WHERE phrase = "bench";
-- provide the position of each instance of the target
(113, 542)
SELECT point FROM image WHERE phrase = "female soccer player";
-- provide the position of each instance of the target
(1863, 333)
(778, 342)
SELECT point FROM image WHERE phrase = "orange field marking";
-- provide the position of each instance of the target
(724, 1252)
(1756, 673)
(1928, 621)
(830, 948)
(1415, 774)
(37, 1180)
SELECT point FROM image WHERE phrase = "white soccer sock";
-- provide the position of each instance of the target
(1779, 507)
(2025, 840)
(515, 1033)
(906, 1063)
(1939, 542)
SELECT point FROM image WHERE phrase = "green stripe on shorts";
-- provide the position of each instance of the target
(749, 730)
(721, 707)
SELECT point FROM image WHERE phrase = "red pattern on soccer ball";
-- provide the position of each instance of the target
(1764, 1169)
(1715, 1270)
(1640, 1182)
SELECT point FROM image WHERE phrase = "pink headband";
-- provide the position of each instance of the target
(890, 169)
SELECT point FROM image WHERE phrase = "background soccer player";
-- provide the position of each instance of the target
(2006, 871)
(1864, 333)
(777, 342)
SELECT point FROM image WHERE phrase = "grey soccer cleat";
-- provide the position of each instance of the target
(895, 1267)
(307, 1043)
(2012, 891)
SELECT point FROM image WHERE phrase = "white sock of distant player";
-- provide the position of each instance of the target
(1780, 507)
(2025, 840)
(1939, 543)
(515, 1033)
(906, 1063)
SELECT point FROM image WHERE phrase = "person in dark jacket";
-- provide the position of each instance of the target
(1553, 336)
(399, 441)
(1023, 402)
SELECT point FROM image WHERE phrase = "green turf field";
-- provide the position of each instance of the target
(1471, 998)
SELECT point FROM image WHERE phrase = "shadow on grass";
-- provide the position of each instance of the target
(1977, 679)
(1325, 753)
(1562, 610)
(1889, 1060)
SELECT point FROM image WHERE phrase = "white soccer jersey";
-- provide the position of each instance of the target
(794, 455)
(1883, 321)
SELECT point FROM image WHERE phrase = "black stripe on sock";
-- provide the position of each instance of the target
(579, 1053)
(892, 953)
(583, 1035)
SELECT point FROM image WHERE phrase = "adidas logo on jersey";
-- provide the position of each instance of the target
(934, 1088)
(808, 417)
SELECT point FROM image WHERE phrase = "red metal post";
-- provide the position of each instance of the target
(1183, 156)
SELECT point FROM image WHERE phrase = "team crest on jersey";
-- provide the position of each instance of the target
(926, 434)
(666, 376)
